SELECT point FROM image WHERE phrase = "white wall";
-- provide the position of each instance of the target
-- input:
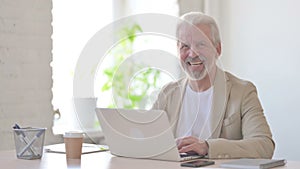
(261, 44)
(25, 72)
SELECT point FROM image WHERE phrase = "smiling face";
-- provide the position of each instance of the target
(197, 52)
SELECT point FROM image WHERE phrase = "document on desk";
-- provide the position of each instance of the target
(253, 163)
(86, 148)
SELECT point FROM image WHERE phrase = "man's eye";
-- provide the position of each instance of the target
(201, 44)
(184, 46)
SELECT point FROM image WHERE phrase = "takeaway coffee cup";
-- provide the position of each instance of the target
(73, 144)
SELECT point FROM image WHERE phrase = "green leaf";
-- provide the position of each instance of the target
(106, 86)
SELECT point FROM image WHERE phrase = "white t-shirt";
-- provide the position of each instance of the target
(195, 113)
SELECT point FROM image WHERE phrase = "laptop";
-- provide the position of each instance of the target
(140, 134)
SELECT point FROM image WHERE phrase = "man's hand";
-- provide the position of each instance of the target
(192, 144)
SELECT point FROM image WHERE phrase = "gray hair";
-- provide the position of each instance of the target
(197, 18)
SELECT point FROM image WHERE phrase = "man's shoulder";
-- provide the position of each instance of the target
(236, 81)
(175, 84)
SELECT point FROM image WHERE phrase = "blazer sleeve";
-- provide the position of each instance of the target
(256, 141)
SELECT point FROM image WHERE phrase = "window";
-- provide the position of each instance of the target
(73, 28)
(74, 23)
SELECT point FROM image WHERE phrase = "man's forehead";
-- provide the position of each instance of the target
(189, 32)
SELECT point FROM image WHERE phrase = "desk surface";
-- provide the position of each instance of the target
(103, 160)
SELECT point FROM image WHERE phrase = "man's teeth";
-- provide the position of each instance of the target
(195, 63)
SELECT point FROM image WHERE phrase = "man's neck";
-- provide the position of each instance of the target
(205, 83)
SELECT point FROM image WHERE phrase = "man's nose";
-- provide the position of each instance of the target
(192, 53)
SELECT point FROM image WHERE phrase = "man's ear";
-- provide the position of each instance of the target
(219, 48)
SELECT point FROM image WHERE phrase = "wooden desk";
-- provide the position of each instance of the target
(101, 160)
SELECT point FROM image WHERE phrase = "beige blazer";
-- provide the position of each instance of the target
(239, 127)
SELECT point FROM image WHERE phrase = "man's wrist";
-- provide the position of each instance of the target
(207, 146)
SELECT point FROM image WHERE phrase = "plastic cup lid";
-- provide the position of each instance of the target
(73, 134)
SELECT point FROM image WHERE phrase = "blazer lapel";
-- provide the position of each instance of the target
(222, 88)
(179, 98)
